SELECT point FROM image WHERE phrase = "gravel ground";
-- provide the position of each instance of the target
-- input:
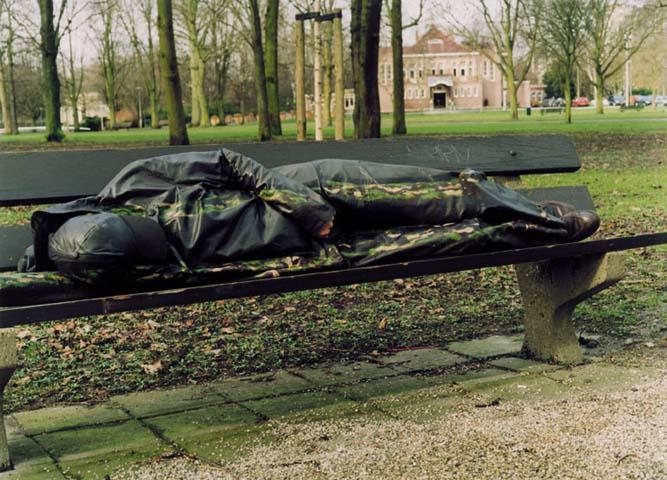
(616, 435)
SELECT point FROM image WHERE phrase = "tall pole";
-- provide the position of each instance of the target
(300, 82)
(338, 66)
(317, 70)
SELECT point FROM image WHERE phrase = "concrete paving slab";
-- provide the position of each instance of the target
(212, 433)
(381, 387)
(29, 459)
(601, 377)
(259, 386)
(488, 347)
(420, 405)
(33, 473)
(345, 373)
(51, 419)
(161, 402)
(422, 359)
(95, 452)
(513, 386)
(523, 365)
(307, 407)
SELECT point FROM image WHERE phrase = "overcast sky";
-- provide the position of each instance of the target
(433, 13)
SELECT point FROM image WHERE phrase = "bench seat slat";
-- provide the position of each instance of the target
(11, 316)
(56, 176)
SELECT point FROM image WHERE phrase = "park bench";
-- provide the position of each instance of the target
(553, 279)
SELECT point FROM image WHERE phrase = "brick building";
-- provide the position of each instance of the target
(440, 73)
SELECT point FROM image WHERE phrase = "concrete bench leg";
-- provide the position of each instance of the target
(551, 290)
(8, 361)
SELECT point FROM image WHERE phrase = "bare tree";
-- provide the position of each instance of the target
(611, 43)
(395, 13)
(72, 80)
(144, 49)
(512, 34)
(7, 83)
(222, 47)
(108, 12)
(365, 30)
(50, 34)
(247, 14)
(562, 37)
(178, 134)
(198, 27)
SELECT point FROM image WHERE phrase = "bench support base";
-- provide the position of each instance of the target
(551, 290)
(8, 362)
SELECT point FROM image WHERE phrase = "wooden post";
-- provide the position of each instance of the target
(317, 71)
(300, 76)
(338, 68)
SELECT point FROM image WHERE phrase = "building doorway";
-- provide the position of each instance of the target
(439, 100)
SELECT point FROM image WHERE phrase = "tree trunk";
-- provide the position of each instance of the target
(365, 29)
(263, 120)
(4, 101)
(340, 74)
(511, 92)
(398, 92)
(568, 97)
(154, 87)
(204, 117)
(178, 134)
(11, 84)
(271, 65)
(155, 109)
(599, 93)
(194, 91)
(51, 85)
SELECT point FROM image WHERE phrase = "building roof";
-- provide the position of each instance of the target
(436, 41)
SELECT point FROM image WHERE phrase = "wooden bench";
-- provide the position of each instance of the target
(553, 279)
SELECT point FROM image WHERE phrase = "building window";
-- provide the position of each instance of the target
(485, 69)
(475, 92)
(470, 68)
(421, 71)
(421, 93)
(382, 75)
(454, 68)
(409, 93)
(433, 71)
(493, 71)
(463, 72)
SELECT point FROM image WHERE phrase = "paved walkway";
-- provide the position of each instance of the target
(201, 428)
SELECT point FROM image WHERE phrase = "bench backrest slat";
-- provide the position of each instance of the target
(55, 176)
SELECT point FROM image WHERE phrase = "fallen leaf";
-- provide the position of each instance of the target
(152, 368)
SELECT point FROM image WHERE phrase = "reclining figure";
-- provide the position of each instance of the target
(202, 210)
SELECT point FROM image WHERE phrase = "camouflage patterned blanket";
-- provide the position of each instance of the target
(225, 217)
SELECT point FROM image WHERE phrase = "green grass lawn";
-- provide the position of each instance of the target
(455, 123)
(624, 166)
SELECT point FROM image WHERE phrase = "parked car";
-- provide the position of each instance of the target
(643, 99)
(581, 102)
(616, 100)
(661, 100)
(605, 102)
